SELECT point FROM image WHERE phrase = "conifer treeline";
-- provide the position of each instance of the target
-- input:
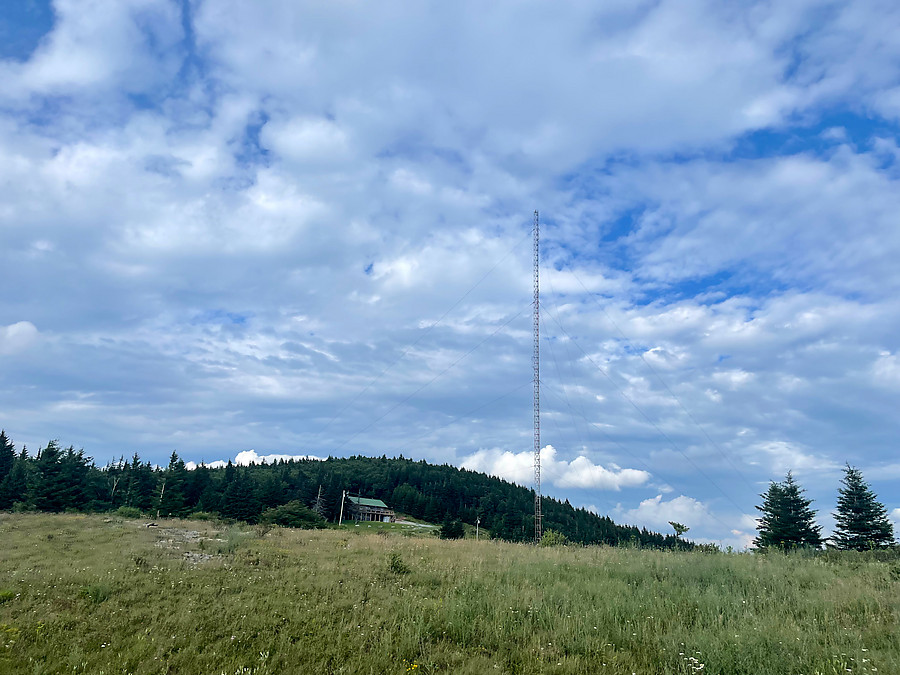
(57, 479)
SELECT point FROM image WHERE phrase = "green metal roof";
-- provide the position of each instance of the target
(362, 501)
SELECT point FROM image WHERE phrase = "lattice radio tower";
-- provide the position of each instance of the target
(536, 366)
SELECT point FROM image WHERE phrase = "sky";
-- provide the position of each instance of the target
(300, 228)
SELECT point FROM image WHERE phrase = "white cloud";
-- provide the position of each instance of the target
(784, 456)
(248, 457)
(17, 337)
(886, 369)
(131, 44)
(895, 516)
(218, 464)
(656, 512)
(313, 141)
(581, 472)
(733, 379)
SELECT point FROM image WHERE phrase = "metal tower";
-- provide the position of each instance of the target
(536, 366)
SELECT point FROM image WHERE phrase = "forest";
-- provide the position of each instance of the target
(57, 479)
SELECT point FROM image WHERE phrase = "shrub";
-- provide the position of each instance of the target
(96, 593)
(128, 512)
(6, 595)
(203, 515)
(396, 564)
(554, 538)
(293, 514)
(452, 529)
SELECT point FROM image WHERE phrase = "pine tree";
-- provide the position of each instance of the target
(788, 521)
(862, 521)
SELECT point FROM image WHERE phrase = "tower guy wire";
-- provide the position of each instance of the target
(536, 367)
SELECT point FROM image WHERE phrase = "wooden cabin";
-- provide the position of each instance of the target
(370, 510)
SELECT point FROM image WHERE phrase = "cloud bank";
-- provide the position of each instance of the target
(580, 472)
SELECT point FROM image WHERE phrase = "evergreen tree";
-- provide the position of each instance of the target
(239, 501)
(7, 455)
(271, 491)
(171, 489)
(788, 521)
(50, 481)
(198, 488)
(862, 521)
(74, 479)
(116, 475)
(14, 486)
(432, 510)
(452, 529)
(141, 485)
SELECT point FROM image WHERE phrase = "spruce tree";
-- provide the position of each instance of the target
(862, 521)
(14, 486)
(50, 480)
(239, 501)
(451, 529)
(7, 454)
(139, 493)
(788, 521)
(73, 490)
(171, 490)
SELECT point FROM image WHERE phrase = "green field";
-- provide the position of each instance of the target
(93, 594)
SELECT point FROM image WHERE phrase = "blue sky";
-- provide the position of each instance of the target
(294, 228)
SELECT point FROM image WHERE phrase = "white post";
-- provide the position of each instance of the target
(341, 517)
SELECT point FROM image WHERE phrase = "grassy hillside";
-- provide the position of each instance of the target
(93, 594)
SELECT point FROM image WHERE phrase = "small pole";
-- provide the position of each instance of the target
(161, 493)
(341, 517)
(477, 521)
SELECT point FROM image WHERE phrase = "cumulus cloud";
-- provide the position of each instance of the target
(248, 457)
(111, 43)
(17, 337)
(314, 142)
(895, 516)
(580, 472)
(656, 512)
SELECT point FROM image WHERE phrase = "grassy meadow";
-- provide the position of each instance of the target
(104, 595)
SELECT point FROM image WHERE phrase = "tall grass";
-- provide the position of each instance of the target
(86, 594)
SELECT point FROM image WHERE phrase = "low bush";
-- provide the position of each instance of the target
(204, 515)
(452, 529)
(396, 564)
(293, 514)
(128, 512)
(554, 538)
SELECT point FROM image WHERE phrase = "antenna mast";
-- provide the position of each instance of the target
(536, 366)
